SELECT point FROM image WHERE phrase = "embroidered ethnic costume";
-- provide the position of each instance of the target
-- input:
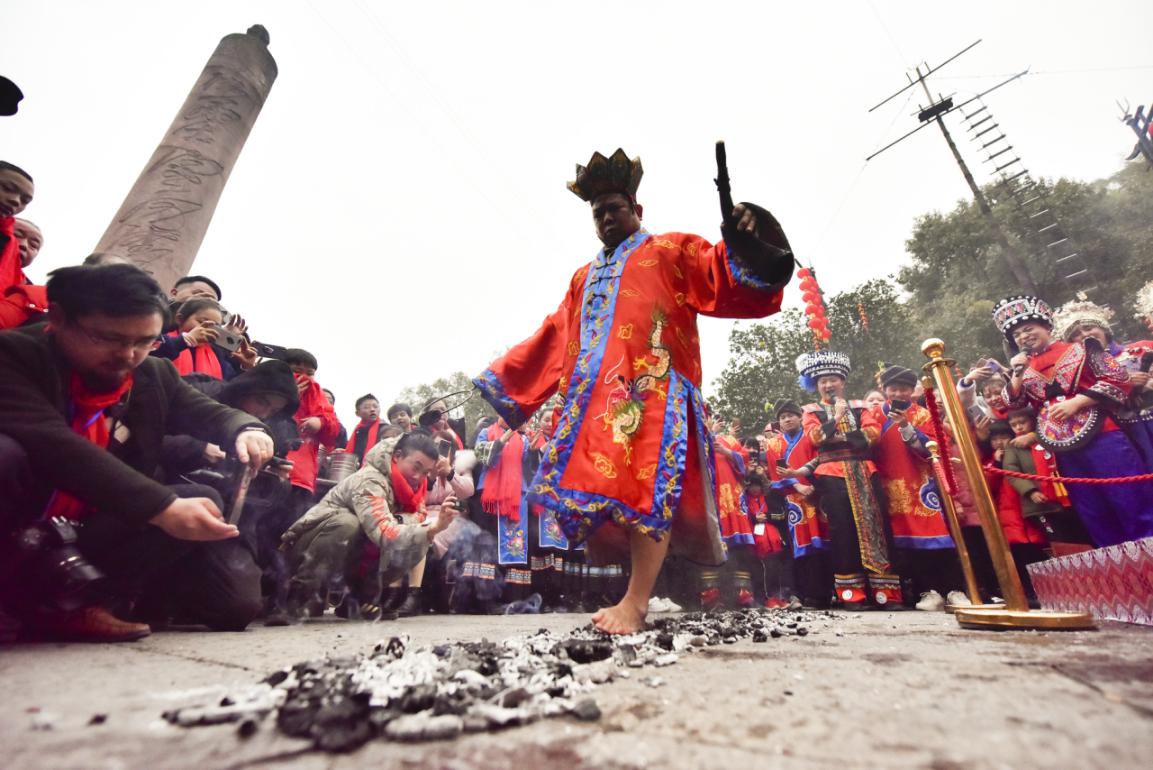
(630, 449)
(1089, 443)
(845, 479)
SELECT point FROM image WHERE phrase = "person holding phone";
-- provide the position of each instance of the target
(198, 344)
(451, 478)
(921, 539)
(379, 510)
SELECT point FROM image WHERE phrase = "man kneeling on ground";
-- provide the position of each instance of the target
(378, 508)
(83, 410)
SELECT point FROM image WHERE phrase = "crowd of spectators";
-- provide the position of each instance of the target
(159, 466)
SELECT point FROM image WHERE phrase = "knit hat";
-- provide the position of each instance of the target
(270, 376)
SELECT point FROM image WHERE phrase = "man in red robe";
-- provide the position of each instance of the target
(631, 463)
(920, 534)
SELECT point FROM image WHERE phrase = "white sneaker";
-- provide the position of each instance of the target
(931, 601)
(671, 606)
(958, 599)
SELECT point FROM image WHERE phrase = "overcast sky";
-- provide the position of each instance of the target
(400, 207)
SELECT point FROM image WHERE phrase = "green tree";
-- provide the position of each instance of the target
(869, 323)
(955, 276)
(476, 407)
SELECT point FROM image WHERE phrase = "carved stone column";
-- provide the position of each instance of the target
(163, 220)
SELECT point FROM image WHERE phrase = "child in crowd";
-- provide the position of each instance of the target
(191, 346)
(771, 542)
(1046, 503)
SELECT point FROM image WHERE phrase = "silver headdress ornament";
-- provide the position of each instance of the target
(813, 366)
(1144, 303)
(1078, 312)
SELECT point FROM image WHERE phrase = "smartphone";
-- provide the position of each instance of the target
(900, 405)
(782, 464)
(443, 447)
(995, 366)
(229, 339)
(267, 350)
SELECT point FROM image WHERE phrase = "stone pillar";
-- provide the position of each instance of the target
(163, 220)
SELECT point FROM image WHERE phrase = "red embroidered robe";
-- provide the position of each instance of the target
(911, 493)
(630, 446)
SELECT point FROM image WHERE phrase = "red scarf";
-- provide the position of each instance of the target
(201, 358)
(504, 482)
(88, 421)
(369, 442)
(408, 500)
(11, 272)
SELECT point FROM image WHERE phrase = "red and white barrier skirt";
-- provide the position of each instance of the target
(1114, 583)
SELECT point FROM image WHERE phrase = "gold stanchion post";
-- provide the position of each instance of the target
(954, 523)
(1016, 613)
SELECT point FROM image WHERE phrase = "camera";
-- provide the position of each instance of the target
(53, 563)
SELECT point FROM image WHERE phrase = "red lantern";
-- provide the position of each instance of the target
(814, 324)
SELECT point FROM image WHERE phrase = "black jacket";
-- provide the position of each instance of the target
(121, 481)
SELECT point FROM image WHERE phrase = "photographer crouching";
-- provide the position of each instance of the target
(86, 533)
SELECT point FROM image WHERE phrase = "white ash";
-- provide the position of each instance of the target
(440, 691)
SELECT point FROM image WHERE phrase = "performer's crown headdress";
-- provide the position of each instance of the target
(813, 366)
(614, 174)
(1012, 311)
(1071, 315)
(1144, 303)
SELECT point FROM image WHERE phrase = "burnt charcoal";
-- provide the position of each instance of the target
(342, 725)
(514, 698)
(456, 703)
(276, 678)
(587, 710)
(296, 718)
(417, 698)
(588, 650)
(438, 692)
(380, 717)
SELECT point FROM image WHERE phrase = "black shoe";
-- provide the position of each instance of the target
(411, 604)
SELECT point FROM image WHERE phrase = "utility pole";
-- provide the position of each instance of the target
(1009, 253)
(935, 113)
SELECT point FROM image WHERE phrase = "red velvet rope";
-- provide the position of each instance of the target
(942, 439)
(1072, 480)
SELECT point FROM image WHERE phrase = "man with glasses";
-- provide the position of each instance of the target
(83, 410)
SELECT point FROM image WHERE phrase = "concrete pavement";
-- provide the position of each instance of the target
(877, 690)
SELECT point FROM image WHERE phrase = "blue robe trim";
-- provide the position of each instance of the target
(492, 391)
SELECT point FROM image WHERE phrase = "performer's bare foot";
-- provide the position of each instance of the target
(625, 617)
